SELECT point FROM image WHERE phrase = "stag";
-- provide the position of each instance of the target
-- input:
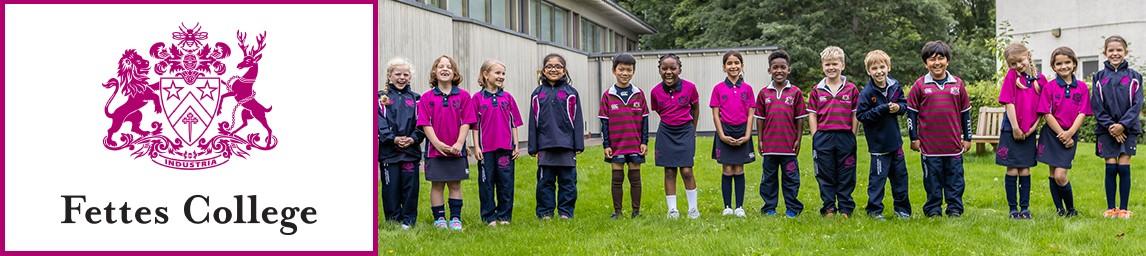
(242, 87)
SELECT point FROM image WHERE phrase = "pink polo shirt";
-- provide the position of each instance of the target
(446, 113)
(734, 101)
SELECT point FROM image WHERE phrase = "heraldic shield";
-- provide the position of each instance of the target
(190, 129)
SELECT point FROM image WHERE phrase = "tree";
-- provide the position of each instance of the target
(804, 28)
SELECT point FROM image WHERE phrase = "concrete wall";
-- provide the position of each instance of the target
(1084, 24)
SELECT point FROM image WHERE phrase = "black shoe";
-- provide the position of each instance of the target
(1025, 214)
(616, 215)
(636, 213)
(955, 215)
(933, 215)
(1061, 212)
(1071, 213)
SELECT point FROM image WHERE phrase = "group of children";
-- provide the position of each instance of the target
(937, 107)
(1063, 103)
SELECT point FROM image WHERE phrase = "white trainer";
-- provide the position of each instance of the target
(693, 213)
(726, 212)
(740, 213)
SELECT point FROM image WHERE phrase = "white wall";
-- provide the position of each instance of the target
(1084, 25)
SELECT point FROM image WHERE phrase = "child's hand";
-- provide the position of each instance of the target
(456, 149)
(1069, 143)
(742, 140)
(1065, 135)
(1018, 134)
(476, 151)
(797, 147)
(1117, 129)
(644, 149)
(608, 152)
(441, 148)
(915, 145)
(893, 108)
(1121, 138)
(966, 146)
(516, 153)
(726, 139)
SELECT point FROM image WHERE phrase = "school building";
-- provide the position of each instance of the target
(520, 32)
(1081, 25)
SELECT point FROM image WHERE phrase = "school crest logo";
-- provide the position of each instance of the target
(927, 91)
(193, 108)
(955, 91)
(788, 100)
(768, 101)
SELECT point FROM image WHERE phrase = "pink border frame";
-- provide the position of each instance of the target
(374, 234)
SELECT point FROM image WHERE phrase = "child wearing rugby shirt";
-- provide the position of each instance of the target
(939, 124)
(399, 144)
(1116, 100)
(1064, 104)
(780, 113)
(495, 143)
(556, 136)
(677, 103)
(1016, 150)
(732, 103)
(832, 119)
(445, 117)
(881, 103)
(624, 115)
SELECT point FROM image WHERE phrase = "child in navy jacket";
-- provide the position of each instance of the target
(881, 103)
(556, 136)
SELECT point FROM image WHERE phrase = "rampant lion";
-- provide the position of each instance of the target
(132, 81)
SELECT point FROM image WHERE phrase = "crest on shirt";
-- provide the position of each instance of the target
(636, 104)
(847, 98)
(927, 91)
(788, 100)
(768, 101)
(872, 99)
(614, 107)
(823, 98)
(195, 108)
(954, 90)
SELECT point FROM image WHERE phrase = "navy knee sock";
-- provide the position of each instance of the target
(1067, 194)
(1124, 185)
(726, 190)
(739, 181)
(438, 211)
(1024, 192)
(1010, 183)
(1056, 193)
(455, 208)
(1111, 172)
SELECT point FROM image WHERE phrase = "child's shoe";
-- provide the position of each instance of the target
(726, 212)
(740, 213)
(441, 223)
(456, 224)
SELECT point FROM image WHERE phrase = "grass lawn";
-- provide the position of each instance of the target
(983, 229)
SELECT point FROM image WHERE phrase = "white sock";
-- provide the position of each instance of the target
(671, 202)
(691, 194)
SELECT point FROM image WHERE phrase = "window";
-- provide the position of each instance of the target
(546, 21)
(1089, 67)
(531, 18)
(592, 37)
(560, 25)
(454, 6)
(497, 13)
(476, 10)
(1039, 66)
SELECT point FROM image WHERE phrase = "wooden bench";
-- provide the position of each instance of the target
(987, 130)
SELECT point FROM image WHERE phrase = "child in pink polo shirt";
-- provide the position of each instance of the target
(780, 114)
(445, 118)
(1016, 151)
(677, 103)
(495, 143)
(832, 120)
(732, 102)
(624, 115)
(1064, 103)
